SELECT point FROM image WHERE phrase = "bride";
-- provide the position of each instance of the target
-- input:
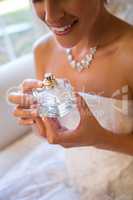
(93, 49)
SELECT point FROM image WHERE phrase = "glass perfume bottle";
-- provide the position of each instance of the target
(56, 99)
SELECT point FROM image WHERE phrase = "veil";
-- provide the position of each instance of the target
(122, 9)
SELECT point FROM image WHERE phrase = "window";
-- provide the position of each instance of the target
(17, 32)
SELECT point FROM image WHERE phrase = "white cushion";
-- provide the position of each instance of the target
(12, 74)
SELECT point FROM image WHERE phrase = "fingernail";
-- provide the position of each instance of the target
(14, 94)
(11, 95)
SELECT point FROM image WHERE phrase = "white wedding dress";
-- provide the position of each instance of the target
(101, 174)
(52, 173)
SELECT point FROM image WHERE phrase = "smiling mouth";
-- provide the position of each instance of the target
(64, 29)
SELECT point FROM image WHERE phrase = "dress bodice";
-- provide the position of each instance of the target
(112, 114)
(101, 174)
(96, 174)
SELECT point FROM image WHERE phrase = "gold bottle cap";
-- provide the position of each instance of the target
(49, 80)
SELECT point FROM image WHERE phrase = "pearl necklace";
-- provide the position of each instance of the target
(84, 63)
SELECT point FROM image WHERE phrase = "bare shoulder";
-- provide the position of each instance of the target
(43, 42)
(42, 49)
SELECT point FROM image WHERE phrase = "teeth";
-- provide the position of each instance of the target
(61, 29)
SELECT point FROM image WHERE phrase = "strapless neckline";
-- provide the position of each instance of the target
(104, 97)
(112, 114)
(125, 106)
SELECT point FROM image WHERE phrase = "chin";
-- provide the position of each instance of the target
(68, 43)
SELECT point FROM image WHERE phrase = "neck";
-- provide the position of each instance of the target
(98, 35)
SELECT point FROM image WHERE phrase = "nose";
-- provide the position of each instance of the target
(53, 11)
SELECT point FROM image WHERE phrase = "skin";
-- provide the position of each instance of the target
(114, 56)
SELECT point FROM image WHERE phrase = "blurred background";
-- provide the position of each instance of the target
(19, 30)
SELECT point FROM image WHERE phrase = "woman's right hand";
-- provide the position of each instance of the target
(25, 107)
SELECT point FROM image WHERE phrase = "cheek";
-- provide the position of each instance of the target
(39, 9)
(73, 7)
(82, 10)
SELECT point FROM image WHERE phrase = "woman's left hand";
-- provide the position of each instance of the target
(88, 133)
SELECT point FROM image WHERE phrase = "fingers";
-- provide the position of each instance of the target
(25, 113)
(29, 84)
(24, 100)
(26, 122)
(81, 104)
(37, 122)
(24, 97)
(56, 134)
(52, 123)
(29, 117)
(53, 128)
(50, 130)
(82, 107)
(40, 127)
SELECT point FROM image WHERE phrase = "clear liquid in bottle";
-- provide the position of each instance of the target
(56, 99)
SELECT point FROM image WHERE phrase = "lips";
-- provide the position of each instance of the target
(62, 30)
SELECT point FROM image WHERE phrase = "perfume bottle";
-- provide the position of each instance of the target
(56, 99)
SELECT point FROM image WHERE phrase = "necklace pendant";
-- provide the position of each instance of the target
(70, 58)
(84, 63)
(80, 69)
(78, 65)
(73, 64)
